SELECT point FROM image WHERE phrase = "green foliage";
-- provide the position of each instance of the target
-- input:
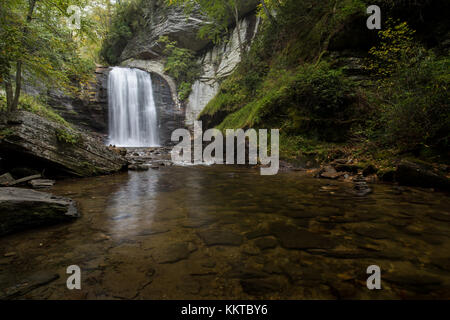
(128, 17)
(67, 136)
(36, 106)
(415, 104)
(41, 45)
(312, 100)
(396, 47)
(180, 65)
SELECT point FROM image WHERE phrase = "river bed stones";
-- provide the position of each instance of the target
(292, 237)
(173, 252)
(266, 243)
(214, 237)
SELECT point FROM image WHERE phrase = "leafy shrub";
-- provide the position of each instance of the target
(313, 100)
(396, 47)
(34, 105)
(127, 19)
(180, 65)
(417, 110)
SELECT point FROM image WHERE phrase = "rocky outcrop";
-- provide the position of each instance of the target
(43, 144)
(413, 174)
(217, 61)
(171, 21)
(217, 64)
(22, 209)
(88, 111)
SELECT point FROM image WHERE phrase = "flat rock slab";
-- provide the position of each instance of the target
(36, 140)
(33, 282)
(292, 237)
(215, 237)
(173, 252)
(266, 243)
(22, 209)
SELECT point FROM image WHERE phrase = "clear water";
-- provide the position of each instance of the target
(227, 232)
(132, 111)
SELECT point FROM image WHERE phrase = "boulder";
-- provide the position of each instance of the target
(6, 178)
(22, 209)
(420, 175)
(40, 142)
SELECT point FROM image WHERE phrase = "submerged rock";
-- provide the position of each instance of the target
(292, 237)
(413, 174)
(220, 237)
(40, 142)
(21, 209)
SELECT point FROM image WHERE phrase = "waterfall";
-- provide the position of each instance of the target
(132, 112)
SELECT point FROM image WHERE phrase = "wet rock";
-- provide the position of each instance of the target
(266, 243)
(346, 168)
(329, 172)
(440, 216)
(220, 237)
(369, 170)
(41, 183)
(259, 287)
(37, 140)
(21, 209)
(257, 234)
(172, 253)
(360, 187)
(208, 264)
(6, 179)
(387, 175)
(292, 237)
(414, 280)
(21, 172)
(31, 283)
(374, 233)
(153, 231)
(138, 167)
(418, 175)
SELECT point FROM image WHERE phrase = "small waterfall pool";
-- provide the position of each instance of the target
(132, 112)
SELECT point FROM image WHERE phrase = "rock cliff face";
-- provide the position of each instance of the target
(217, 61)
(28, 139)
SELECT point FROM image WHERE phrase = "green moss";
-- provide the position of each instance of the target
(67, 136)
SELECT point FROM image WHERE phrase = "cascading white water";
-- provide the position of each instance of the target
(132, 112)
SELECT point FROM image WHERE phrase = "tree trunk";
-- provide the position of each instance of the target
(15, 102)
(9, 92)
(13, 99)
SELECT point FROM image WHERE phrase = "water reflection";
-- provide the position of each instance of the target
(134, 205)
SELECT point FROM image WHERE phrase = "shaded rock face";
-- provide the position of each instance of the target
(89, 113)
(217, 64)
(217, 61)
(171, 21)
(22, 209)
(170, 115)
(35, 141)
